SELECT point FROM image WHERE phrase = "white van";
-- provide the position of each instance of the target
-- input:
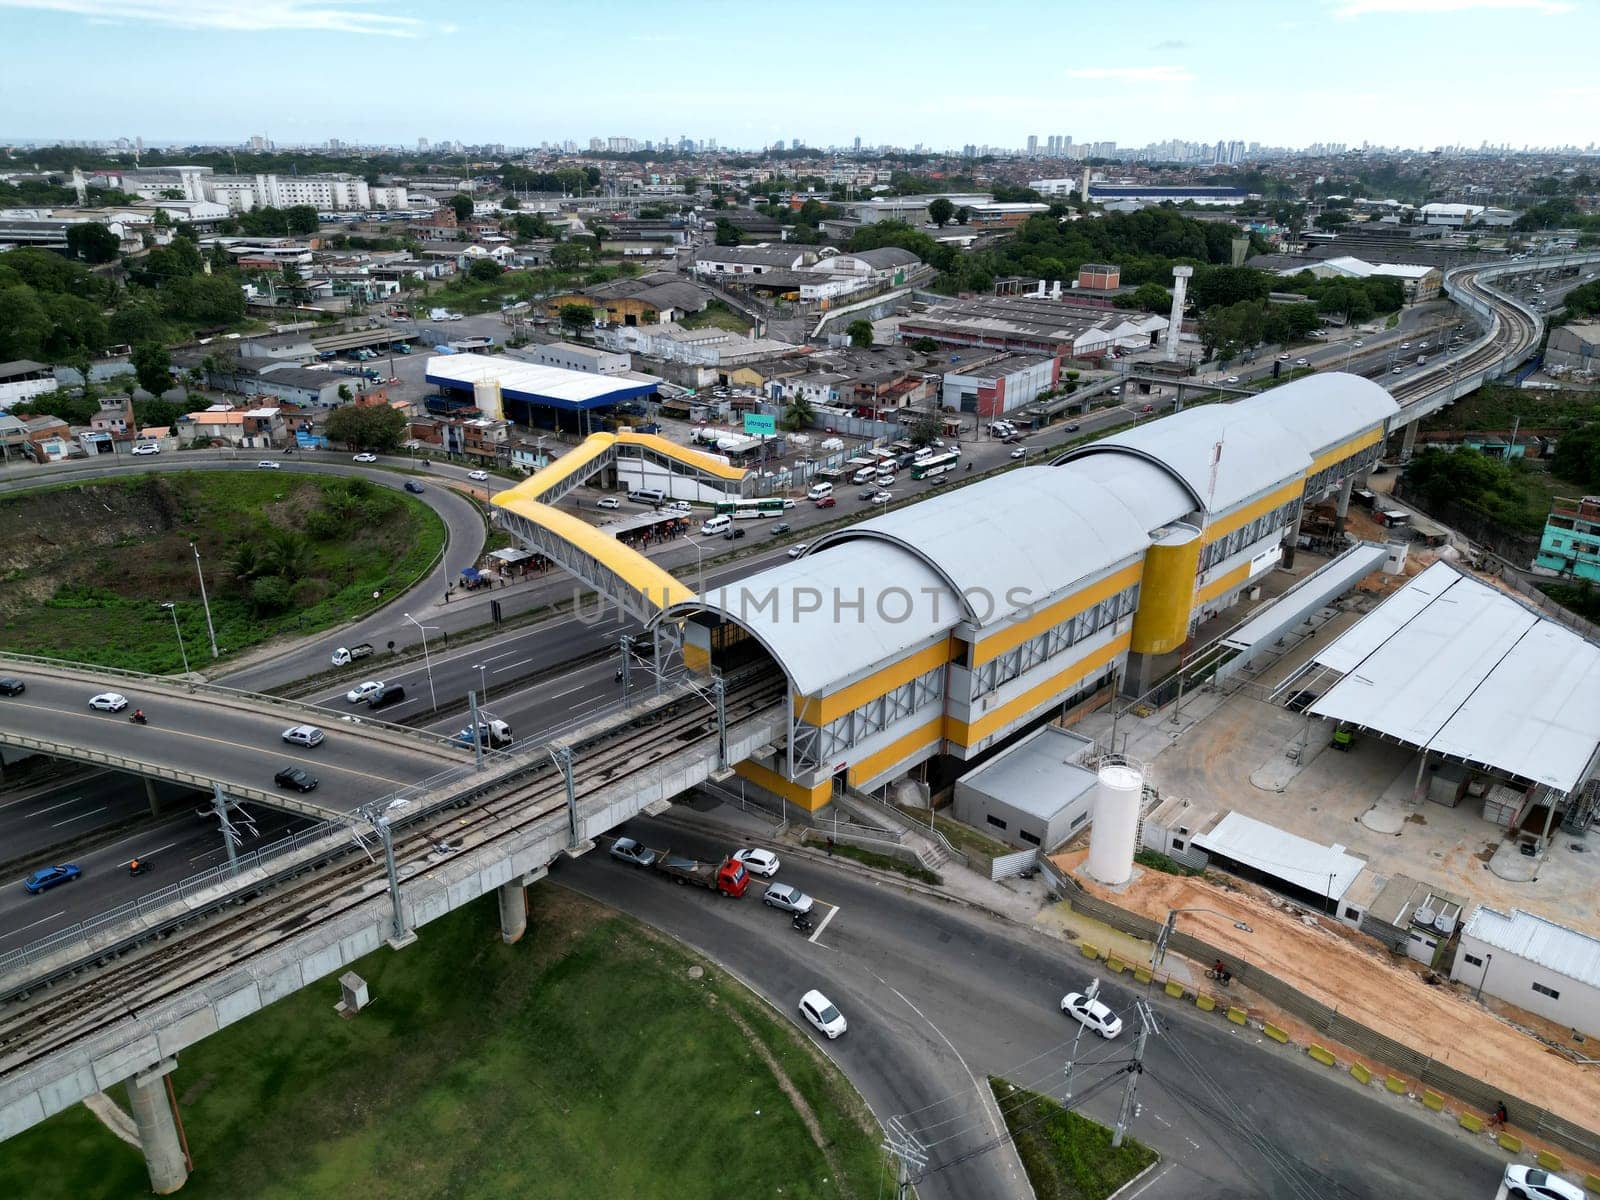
(647, 495)
(818, 490)
(865, 475)
(716, 525)
(922, 455)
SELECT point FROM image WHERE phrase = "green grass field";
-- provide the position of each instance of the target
(1067, 1157)
(717, 315)
(89, 564)
(582, 1062)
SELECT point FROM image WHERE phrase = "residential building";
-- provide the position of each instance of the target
(258, 428)
(240, 193)
(1576, 345)
(1103, 277)
(1570, 545)
(48, 439)
(23, 379)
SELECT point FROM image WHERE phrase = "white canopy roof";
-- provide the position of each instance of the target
(1312, 867)
(1461, 669)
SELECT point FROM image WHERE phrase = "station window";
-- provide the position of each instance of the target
(1473, 960)
(1545, 991)
(995, 821)
(1352, 914)
(1079, 819)
(1177, 843)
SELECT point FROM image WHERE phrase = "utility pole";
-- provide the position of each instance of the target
(1129, 1109)
(904, 1146)
(1094, 990)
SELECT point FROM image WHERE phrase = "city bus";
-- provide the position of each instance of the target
(740, 510)
(937, 464)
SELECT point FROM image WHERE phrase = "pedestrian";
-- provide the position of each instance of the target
(1498, 1121)
(830, 847)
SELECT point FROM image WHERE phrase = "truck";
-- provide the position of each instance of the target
(345, 655)
(728, 876)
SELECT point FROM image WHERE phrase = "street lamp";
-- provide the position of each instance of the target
(483, 685)
(210, 628)
(1165, 934)
(699, 562)
(173, 609)
(1477, 992)
(427, 663)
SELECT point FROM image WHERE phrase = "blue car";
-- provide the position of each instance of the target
(48, 877)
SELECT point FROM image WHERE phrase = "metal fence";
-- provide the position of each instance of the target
(1009, 866)
(1339, 1028)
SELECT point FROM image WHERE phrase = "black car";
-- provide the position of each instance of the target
(414, 487)
(781, 527)
(867, 494)
(734, 534)
(11, 686)
(389, 694)
(297, 778)
(1073, 427)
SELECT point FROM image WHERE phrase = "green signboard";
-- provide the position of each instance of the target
(760, 424)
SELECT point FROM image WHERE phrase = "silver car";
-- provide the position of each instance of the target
(788, 898)
(303, 735)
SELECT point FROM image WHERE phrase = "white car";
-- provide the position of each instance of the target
(109, 702)
(1231, 379)
(758, 862)
(303, 735)
(478, 476)
(796, 551)
(366, 458)
(608, 502)
(1092, 1015)
(1302, 362)
(1358, 343)
(266, 464)
(819, 1010)
(1405, 345)
(1535, 1183)
(1397, 371)
(362, 691)
(147, 448)
(1019, 452)
(788, 502)
(789, 899)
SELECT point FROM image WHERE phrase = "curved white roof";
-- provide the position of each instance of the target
(830, 616)
(1013, 541)
(1324, 410)
(1256, 444)
(1153, 495)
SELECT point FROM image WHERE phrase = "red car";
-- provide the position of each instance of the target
(825, 502)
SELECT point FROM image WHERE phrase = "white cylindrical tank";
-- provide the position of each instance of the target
(486, 392)
(1115, 834)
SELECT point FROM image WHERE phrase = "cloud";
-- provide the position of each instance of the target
(1134, 74)
(1393, 8)
(242, 16)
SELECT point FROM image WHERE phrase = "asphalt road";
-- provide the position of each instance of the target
(938, 997)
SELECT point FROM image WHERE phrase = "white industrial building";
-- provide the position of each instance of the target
(570, 357)
(1533, 963)
(1036, 793)
(241, 193)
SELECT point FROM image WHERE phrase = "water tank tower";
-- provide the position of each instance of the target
(1115, 834)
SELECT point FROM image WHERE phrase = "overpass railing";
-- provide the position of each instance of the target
(258, 701)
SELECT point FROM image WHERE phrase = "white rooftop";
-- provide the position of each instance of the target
(1575, 955)
(522, 378)
(1463, 670)
(1312, 867)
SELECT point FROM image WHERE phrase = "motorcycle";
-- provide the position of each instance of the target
(139, 718)
(1222, 977)
(802, 922)
(139, 867)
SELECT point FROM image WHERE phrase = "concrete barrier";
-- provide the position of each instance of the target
(1510, 1141)
(1115, 966)
(1591, 1183)
(1550, 1162)
(1087, 950)
(1205, 1003)
(1395, 1084)
(1276, 1034)
(1141, 974)
(1175, 990)
(1322, 1054)
(1432, 1099)
(1361, 1073)
(1237, 1015)
(1471, 1123)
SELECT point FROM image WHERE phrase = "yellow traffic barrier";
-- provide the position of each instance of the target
(1237, 1015)
(1174, 990)
(1141, 974)
(1115, 966)
(1550, 1162)
(1591, 1183)
(1087, 950)
(1511, 1142)
(1276, 1034)
(1471, 1123)
(1205, 1003)
(1322, 1054)
(1360, 1071)
(1395, 1084)
(1432, 1099)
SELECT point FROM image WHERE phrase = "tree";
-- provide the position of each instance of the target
(74, 410)
(24, 324)
(1331, 220)
(566, 256)
(924, 429)
(511, 204)
(924, 345)
(963, 215)
(461, 205)
(153, 365)
(92, 242)
(366, 426)
(728, 233)
(156, 413)
(1577, 456)
(345, 394)
(1152, 297)
(1223, 286)
(136, 322)
(485, 269)
(860, 333)
(799, 414)
(940, 211)
(576, 317)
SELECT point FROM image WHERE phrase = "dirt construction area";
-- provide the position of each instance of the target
(1352, 974)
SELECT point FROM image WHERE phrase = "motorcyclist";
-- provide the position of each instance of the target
(134, 867)
(138, 715)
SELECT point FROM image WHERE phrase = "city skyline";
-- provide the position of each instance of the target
(1388, 72)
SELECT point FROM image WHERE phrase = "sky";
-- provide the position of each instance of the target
(1416, 73)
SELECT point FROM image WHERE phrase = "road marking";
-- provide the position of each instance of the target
(40, 921)
(512, 666)
(152, 853)
(813, 938)
(1156, 1178)
(79, 817)
(75, 800)
(568, 692)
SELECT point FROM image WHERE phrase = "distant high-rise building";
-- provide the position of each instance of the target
(422, 145)
(596, 144)
(1033, 144)
(777, 146)
(257, 143)
(858, 145)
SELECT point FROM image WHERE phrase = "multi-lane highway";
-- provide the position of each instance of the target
(939, 997)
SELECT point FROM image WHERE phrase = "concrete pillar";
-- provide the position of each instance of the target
(150, 795)
(1180, 281)
(164, 1155)
(513, 911)
(1343, 506)
(1408, 441)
